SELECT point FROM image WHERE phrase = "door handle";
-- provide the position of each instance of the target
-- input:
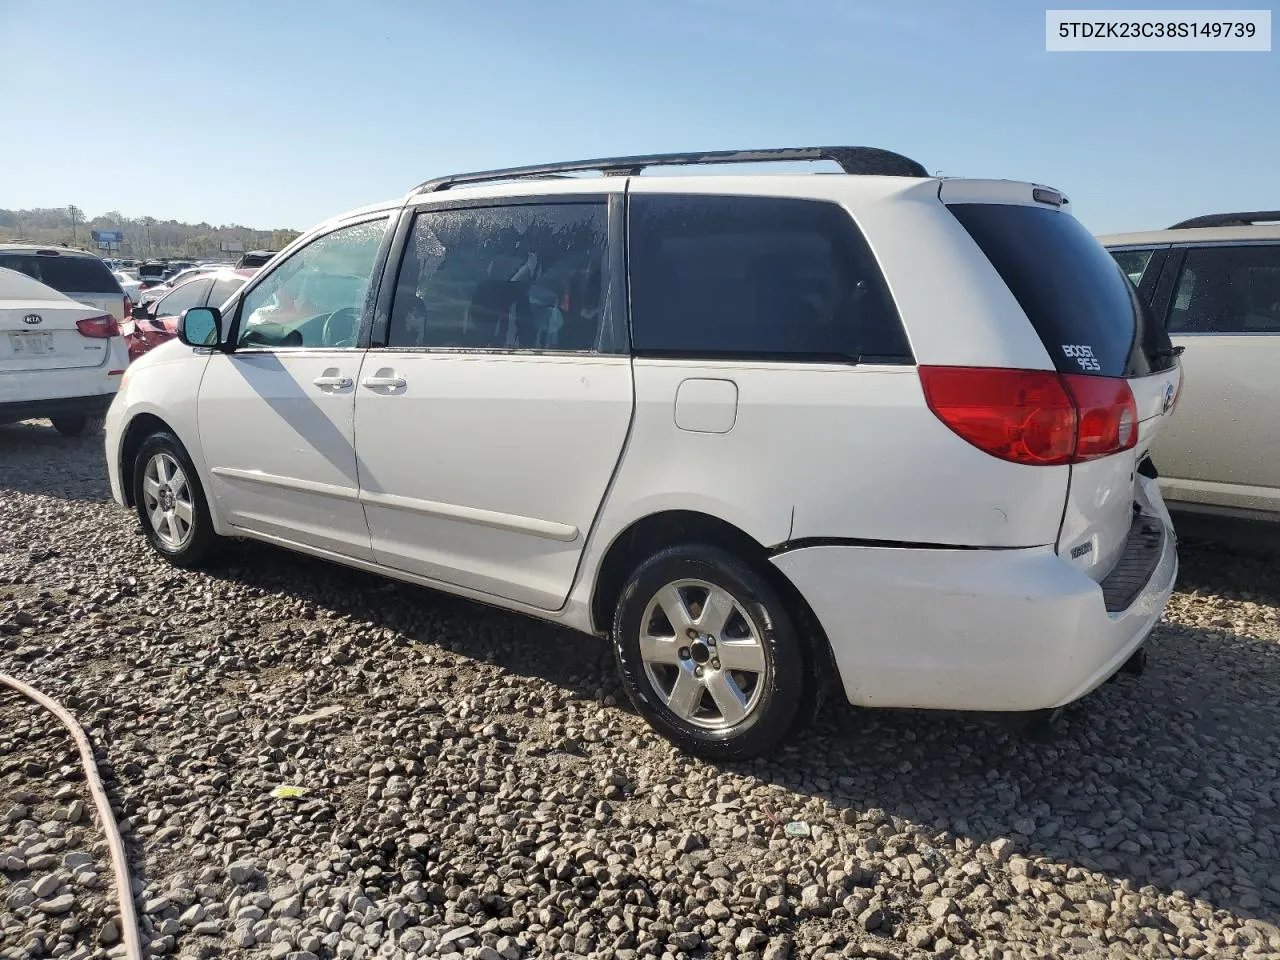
(340, 382)
(394, 382)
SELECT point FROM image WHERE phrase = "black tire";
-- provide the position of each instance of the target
(782, 689)
(75, 426)
(202, 544)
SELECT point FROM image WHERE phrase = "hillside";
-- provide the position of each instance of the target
(143, 236)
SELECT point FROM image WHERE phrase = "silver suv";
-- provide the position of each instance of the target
(1214, 283)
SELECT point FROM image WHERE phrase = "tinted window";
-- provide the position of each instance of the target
(756, 276)
(1081, 304)
(316, 297)
(1228, 290)
(151, 271)
(223, 289)
(64, 274)
(191, 294)
(528, 276)
(1133, 263)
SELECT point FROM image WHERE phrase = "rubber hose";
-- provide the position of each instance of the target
(120, 866)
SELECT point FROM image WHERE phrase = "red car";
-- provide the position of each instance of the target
(154, 323)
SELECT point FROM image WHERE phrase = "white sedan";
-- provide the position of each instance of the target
(58, 358)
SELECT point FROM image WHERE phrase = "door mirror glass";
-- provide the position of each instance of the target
(201, 327)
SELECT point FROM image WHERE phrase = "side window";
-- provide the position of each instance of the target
(190, 294)
(757, 277)
(1133, 263)
(526, 276)
(1228, 290)
(316, 297)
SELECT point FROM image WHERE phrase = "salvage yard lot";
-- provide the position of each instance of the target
(473, 782)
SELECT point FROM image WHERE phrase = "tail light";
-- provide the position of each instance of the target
(99, 328)
(126, 307)
(1033, 417)
(1108, 416)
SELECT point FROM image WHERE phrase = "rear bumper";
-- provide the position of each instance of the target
(91, 406)
(976, 629)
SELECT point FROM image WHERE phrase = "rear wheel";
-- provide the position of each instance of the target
(709, 654)
(170, 502)
(75, 426)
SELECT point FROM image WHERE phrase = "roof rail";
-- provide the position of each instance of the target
(853, 160)
(1229, 219)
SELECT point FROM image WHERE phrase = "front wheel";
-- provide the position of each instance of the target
(170, 502)
(709, 654)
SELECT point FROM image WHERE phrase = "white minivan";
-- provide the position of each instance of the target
(769, 433)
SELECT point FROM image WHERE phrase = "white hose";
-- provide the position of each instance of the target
(124, 891)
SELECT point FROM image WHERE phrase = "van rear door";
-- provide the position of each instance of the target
(1099, 336)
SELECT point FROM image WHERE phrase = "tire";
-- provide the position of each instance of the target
(679, 685)
(182, 543)
(75, 426)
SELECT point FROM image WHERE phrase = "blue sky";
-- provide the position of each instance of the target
(279, 113)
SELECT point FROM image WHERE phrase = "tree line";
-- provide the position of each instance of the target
(143, 236)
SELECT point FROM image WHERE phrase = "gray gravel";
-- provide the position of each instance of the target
(459, 782)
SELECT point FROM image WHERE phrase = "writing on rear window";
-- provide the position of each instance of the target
(1083, 354)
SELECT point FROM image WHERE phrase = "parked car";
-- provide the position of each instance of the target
(156, 322)
(883, 429)
(152, 273)
(254, 258)
(78, 274)
(58, 358)
(174, 281)
(1214, 283)
(131, 286)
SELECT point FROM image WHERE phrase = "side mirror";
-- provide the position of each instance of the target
(139, 311)
(200, 327)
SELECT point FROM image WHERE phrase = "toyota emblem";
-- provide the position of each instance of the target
(31, 319)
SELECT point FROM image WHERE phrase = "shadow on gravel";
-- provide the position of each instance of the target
(1170, 780)
(35, 458)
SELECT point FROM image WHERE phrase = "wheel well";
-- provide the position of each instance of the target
(140, 427)
(658, 531)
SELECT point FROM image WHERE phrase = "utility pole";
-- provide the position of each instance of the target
(74, 212)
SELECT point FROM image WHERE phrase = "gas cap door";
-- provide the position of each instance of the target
(704, 405)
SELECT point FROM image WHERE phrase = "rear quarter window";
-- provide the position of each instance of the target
(1133, 263)
(65, 274)
(1079, 300)
(748, 277)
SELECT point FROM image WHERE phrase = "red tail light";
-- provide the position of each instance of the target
(126, 306)
(99, 328)
(1108, 416)
(1034, 417)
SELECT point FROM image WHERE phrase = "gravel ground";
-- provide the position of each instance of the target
(471, 783)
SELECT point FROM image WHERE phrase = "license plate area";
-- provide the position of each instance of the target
(33, 344)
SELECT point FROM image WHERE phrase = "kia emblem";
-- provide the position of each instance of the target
(31, 319)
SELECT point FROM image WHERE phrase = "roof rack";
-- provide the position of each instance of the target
(1229, 219)
(853, 160)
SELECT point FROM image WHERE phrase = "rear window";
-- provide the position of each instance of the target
(151, 270)
(780, 278)
(1080, 302)
(66, 274)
